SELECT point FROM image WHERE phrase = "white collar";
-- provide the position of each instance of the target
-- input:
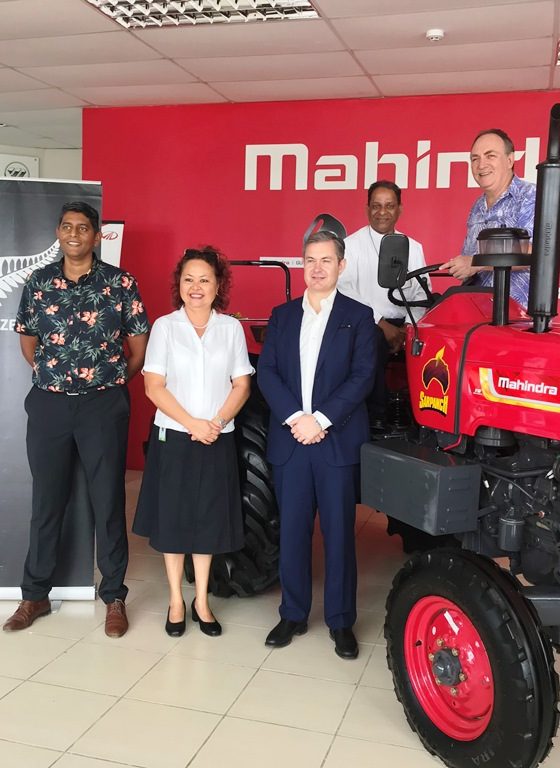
(326, 303)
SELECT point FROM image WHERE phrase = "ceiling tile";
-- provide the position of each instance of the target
(349, 8)
(156, 72)
(14, 81)
(48, 97)
(524, 21)
(38, 18)
(319, 88)
(77, 49)
(454, 58)
(535, 78)
(140, 95)
(242, 39)
(276, 67)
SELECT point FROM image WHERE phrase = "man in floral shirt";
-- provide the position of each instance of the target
(73, 318)
(507, 201)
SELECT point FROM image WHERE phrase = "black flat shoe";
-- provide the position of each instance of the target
(176, 628)
(345, 644)
(212, 628)
(284, 631)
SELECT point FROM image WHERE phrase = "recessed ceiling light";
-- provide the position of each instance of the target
(142, 14)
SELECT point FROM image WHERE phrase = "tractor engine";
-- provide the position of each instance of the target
(520, 486)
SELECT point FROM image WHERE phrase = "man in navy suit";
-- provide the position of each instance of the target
(316, 369)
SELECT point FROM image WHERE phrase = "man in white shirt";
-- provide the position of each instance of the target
(359, 280)
(316, 369)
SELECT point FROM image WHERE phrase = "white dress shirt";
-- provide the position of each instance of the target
(198, 369)
(313, 326)
(359, 279)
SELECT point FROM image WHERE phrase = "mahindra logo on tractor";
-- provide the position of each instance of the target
(343, 171)
(522, 385)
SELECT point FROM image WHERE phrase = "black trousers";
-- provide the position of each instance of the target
(378, 397)
(60, 428)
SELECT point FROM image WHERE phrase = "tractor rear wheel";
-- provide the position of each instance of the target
(470, 662)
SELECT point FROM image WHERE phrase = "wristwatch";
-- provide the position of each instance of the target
(221, 422)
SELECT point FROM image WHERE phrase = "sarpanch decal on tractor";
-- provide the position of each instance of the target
(435, 378)
(521, 388)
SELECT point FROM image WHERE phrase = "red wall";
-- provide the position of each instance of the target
(176, 175)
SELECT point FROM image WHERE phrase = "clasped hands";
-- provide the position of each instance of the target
(307, 430)
(204, 431)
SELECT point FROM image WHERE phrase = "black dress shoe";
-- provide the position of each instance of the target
(176, 628)
(284, 631)
(212, 628)
(345, 644)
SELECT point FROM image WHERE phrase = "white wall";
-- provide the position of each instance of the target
(53, 163)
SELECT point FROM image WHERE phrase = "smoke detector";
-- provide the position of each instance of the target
(435, 35)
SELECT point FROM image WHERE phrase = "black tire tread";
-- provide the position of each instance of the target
(512, 615)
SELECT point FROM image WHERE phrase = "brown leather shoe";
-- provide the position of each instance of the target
(27, 612)
(116, 622)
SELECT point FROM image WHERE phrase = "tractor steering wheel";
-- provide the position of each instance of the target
(418, 275)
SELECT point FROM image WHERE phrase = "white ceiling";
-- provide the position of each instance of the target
(58, 56)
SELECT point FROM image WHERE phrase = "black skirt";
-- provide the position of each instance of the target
(190, 500)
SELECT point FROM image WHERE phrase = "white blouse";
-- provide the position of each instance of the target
(198, 370)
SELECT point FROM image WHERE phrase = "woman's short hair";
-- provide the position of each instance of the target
(222, 271)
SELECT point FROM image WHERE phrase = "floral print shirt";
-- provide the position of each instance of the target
(514, 208)
(80, 326)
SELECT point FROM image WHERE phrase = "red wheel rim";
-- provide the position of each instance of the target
(461, 704)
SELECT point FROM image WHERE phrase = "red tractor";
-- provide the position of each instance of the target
(470, 643)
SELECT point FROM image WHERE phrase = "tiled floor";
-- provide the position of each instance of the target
(71, 697)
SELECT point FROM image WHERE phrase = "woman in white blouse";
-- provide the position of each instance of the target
(197, 372)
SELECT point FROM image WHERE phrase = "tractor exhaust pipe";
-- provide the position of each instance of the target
(543, 288)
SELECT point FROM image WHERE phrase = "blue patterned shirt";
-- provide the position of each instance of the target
(80, 326)
(514, 208)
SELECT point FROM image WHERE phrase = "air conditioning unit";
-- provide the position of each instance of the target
(19, 166)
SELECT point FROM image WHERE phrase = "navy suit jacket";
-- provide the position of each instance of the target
(343, 378)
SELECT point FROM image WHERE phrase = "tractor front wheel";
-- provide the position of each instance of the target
(470, 663)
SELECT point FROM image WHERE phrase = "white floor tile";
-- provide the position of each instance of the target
(376, 715)
(239, 645)
(377, 673)
(8, 684)
(300, 702)
(94, 668)
(352, 753)
(258, 611)
(313, 655)
(147, 735)
(146, 567)
(25, 652)
(182, 682)
(73, 620)
(14, 755)
(255, 745)
(77, 761)
(59, 715)
(146, 632)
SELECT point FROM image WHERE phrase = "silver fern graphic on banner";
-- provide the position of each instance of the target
(14, 270)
